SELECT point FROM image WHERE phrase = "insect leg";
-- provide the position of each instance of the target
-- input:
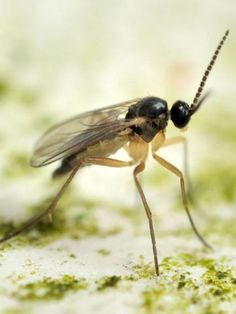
(160, 141)
(174, 140)
(109, 162)
(182, 140)
(138, 170)
(119, 163)
(179, 174)
(47, 212)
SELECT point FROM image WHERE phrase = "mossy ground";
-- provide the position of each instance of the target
(49, 289)
(195, 281)
(202, 281)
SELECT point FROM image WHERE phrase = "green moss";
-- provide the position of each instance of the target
(72, 255)
(50, 289)
(107, 282)
(144, 270)
(177, 289)
(141, 270)
(104, 252)
(220, 283)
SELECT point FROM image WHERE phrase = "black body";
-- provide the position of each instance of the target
(156, 114)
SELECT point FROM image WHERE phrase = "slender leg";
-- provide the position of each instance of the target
(179, 174)
(182, 140)
(48, 211)
(160, 141)
(108, 162)
(138, 170)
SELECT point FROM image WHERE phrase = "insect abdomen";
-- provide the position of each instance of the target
(101, 149)
(65, 167)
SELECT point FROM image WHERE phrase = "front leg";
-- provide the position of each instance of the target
(160, 141)
(179, 174)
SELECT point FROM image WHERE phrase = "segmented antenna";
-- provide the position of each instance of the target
(195, 104)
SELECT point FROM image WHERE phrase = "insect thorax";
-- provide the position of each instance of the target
(155, 112)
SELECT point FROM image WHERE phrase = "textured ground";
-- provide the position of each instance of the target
(60, 58)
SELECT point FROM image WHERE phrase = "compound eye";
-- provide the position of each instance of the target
(180, 114)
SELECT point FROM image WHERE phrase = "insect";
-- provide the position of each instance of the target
(90, 138)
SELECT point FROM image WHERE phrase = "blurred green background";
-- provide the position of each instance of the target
(60, 58)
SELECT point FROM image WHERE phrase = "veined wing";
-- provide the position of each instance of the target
(76, 134)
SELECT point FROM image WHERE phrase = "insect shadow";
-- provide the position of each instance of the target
(91, 137)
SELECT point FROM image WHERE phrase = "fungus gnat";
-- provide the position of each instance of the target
(91, 137)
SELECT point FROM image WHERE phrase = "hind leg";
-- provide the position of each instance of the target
(48, 211)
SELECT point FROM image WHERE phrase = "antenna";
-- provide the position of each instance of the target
(196, 102)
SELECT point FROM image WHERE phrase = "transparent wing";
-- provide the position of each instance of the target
(76, 134)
